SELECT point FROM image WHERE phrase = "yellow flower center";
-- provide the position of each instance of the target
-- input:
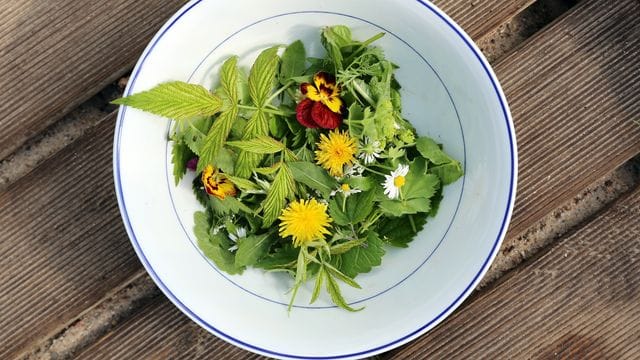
(399, 181)
(336, 151)
(305, 221)
(325, 91)
(345, 187)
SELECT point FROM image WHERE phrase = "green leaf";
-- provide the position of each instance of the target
(360, 205)
(361, 259)
(293, 62)
(399, 231)
(283, 187)
(448, 173)
(417, 183)
(403, 207)
(224, 161)
(262, 76)
(313, 176)
(229, 79)
(336, 295)
(193, 133)
(283, 257)
(256, 126)
(430, 150)
(259, 145)
(230, 205)
(318, 285)
(252, 248)
(243, 184)
(215, 246)
(175, 100)
(344, 278)
(364, 183)
(335, 211)
(180, 155)
(339, 35)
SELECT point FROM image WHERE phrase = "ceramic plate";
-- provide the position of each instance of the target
(449, 93)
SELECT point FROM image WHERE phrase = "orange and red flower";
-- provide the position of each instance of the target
(322, 107)
(216, 183)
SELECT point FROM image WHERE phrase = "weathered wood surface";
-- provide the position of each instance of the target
(553, 161)
(580, 300)
(56, 54)
(60, 225)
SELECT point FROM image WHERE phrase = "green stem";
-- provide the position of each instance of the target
(279, 91)
(374, 171)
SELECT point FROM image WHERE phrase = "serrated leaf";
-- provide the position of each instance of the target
(293, 61)
(256, 126)
(361, 259)
(313, 176)
(283, 187)
(259, 145)
(364, 183)
(214, 246)
(335, 211)
(175, 100)
(318, 285)
(344, 278)
(243, 184)
(229, 79)
(398, 231)
(359, 206)
(336, 295)
(229, 205)
(193, 133)
(262, 76)
(418, 184)
(252, 248)
(180, 155)
(280, 258)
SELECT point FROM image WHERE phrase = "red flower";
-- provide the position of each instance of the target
(322, 108)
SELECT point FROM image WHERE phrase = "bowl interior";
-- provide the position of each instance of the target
(449, 94)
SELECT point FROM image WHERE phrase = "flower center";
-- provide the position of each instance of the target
(399, 181)
(345, 187)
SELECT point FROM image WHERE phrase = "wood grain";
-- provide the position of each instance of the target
(580, 300)
(62, 240)
(56, 54)
(554, 166)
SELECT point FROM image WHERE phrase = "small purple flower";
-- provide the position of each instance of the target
(192, 164)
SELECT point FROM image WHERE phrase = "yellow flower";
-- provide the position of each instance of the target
(305, 221)
(216, 183)
(336, 151)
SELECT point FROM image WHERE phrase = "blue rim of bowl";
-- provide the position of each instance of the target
(390, 345)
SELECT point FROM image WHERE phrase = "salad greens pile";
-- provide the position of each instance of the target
(305, 165)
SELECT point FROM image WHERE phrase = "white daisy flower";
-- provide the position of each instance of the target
(392, 183)
(345, 189)
(354, 170)
(240, 233)
(369, 150)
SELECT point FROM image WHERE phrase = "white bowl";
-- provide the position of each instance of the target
(449, 93)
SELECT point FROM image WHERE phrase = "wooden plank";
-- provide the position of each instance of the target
(574, 94)
(580, 300)
(175, 338)
(611, 140)
(56, 54)
(62, 240)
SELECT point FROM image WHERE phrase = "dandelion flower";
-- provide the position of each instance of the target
(216, 183)
(336, 151)
(369, 150)
(305, 221)
(392, 183)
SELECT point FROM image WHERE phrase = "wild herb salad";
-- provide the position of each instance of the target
(305, 165)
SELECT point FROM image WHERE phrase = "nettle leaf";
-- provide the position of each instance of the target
(335, 211)
(362, 258)
(221, 128)
(175, 100)
(259, 145)
(313, 176)
(360, 205)
(252, 248)
(293, 62)
(262, 76)
(256, 126)
(229, 205)
(419, 184)
(193, 133)
(282, 257)
(214, 246)
(400, 231)
(430, 150)
(283, 187)
(180, 155)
